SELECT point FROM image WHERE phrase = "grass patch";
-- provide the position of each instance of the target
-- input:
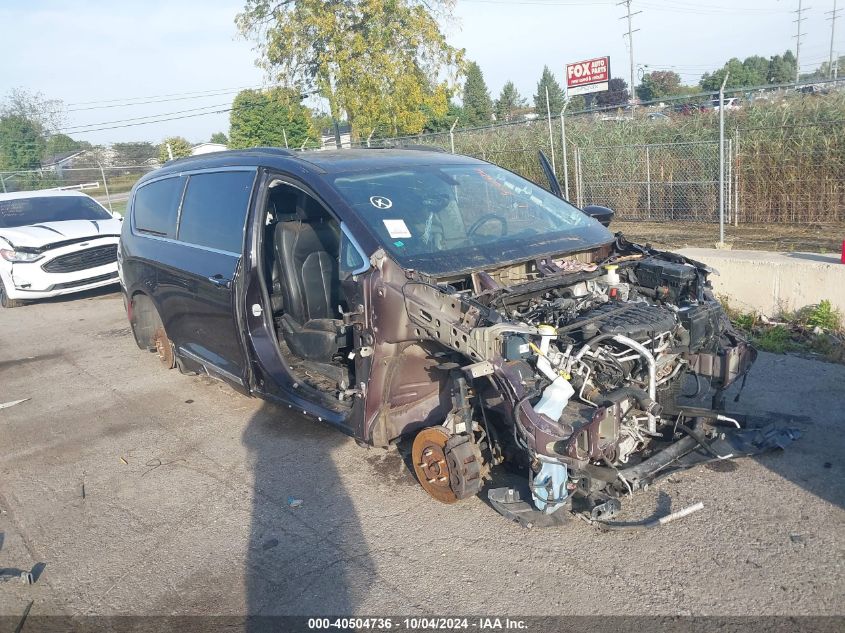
(826, 317)
(776, 340)
(815, 329)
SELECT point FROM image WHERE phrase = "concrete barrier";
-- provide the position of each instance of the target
(769, 283)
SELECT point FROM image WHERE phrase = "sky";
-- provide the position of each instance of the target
(114, 61)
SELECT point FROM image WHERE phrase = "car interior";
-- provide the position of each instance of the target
(301, 267)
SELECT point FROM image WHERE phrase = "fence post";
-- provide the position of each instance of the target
(648, 180)
(551, 137)
(452, 135)
(736, 176)
(563, 149)
(373, 131)
(106, 185)
(3, 182)
(722, 164)
(578, 193)
(730, 178)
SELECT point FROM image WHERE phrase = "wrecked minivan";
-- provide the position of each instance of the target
(400, 294)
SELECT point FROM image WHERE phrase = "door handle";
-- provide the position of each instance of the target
(220, 281)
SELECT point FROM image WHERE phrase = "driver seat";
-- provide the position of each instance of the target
(307, 263)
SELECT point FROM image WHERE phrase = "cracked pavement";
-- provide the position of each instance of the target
(187, 485)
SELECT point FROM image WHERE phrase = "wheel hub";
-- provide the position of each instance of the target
(164, 348)
(431, 465)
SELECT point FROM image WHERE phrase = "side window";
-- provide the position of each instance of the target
(156, 206)
(214, 210)
(351, 261)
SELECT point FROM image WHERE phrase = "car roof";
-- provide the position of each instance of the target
(41, 193)
(320, 162)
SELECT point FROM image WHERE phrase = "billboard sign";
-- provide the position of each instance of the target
(591, 75)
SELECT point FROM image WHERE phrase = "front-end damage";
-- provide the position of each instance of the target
(595, 373)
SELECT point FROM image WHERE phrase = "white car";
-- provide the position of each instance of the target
(54, 243)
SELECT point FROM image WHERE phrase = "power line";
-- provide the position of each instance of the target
(76, 129)
(161, 96)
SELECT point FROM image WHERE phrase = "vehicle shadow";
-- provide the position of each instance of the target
(306, 548)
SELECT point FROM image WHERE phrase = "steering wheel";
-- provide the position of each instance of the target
(484, 219)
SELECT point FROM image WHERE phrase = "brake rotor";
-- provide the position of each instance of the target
(430, 464)
(164, 348)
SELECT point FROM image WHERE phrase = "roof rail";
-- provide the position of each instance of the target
(278, 151)
(415, 147)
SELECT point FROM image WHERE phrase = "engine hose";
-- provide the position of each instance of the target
(645, 402)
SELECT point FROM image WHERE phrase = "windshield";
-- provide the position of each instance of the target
(452, 218)
(28, 211)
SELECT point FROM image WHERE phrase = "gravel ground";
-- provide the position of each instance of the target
(186, 486)
(810, 238)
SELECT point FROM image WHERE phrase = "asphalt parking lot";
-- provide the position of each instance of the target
(187, 485)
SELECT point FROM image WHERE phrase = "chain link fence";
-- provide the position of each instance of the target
(672, 181)
(667, 169)
(109, 185)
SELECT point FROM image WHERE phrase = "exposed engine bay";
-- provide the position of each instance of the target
(592, 377)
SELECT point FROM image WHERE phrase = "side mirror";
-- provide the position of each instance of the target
(602, 214)
(117, 216)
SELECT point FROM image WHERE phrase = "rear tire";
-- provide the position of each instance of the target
(5, 301)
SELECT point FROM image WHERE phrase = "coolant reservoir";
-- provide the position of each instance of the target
(554, 399)
(612, 277)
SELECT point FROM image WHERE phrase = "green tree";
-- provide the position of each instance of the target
(274, 118)
(377, 61)
(135, 153)
(509, 102)
(782, 68)
(657, 84)
(219, 137)
(753, 71)
(578, 103)
(824, 70)
(46, 114)
(478, 107)
(616, 94)
(59, 143)
(21, 143)
(178, 145)
(443, 123)
(756, 70)
(556, 97)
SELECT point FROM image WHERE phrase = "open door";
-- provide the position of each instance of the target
(554, 185)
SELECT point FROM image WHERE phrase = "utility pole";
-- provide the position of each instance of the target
(833, 14)
(797, 36)
(630, 33)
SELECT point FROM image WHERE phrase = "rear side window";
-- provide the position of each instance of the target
(214, 210)
(156, 206)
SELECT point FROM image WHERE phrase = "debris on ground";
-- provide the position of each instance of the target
(12, 573)
(6, 405)
(293, 502)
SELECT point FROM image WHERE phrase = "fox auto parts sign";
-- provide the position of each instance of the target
(591, 75)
